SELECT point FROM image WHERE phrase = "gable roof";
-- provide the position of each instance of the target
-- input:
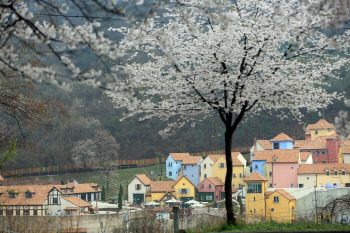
(317, 143)
(179, 178)
(80, 188)
(304, 155)
(162, 186)
(283, 156)
(191, 160)
(281, 137)
(142, 177)
(215, 180)
(179, 156)
(346, 149)
(235, 160)
(214, 157)
(255, 176)
(39, 197)
(265, 144)
(285, 194)
(77, 201)
(261, 154)
(322, 168)
(166, 193)
(321, 124)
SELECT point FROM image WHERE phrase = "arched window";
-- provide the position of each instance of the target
(323, 161)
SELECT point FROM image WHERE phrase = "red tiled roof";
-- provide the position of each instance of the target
(191, 160)
(214, 157)
(255, 176)
(265, 144)
(143, 178)
(322, 168)
(77, 201)
(80, 188)
(283, 156)
(285, 194)
(304, 155)
(261, 154)
(215, 180)
(179, 156)
(162, 186)
(268, 193)
(281, 137)
(317, 143)
(321, 124)
(38, 198)
(346, 149)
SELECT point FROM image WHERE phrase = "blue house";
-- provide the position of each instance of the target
(258, 159)
(173, 164)
(191, 168)
(282, 141)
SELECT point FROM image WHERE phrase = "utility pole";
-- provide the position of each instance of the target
(316, 203)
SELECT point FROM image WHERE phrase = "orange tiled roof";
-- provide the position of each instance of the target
(265, 144)
(346, 149)
(255, 176)
(166, 193)
(235, 160)
(77, 201)
(143, 178)
(285, 194)
(179, 156)
(214, 157)
(162, 186)
(321, 124)
(307, 131)
(283, 156)
(215, 180)
(80, 188)
(261, 154)
(191, 160)
(281, 137)
(71, 208)
(317, 143)
(38, 198)
(268, 193)
(322, 168)
(304, 155)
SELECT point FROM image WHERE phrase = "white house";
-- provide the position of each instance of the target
(138, 189)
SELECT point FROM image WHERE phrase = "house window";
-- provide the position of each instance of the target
(254, 188)
(35, 212)
(276, 145)
(9, 212)
(292, 168)
(184, 167)
(205, 175)
(176, 162)
(323, 161)
(209, 197)
(18, 212)
(209, 186)
(274, 159)
(55, 201)
(301, 185)
(183, 191)
(222, 165)
(270, 185)
(1, 212)
(254, 211)
(183, 183)
(138, 186)
(256, 167)
(25, 212)
(276, 199)
(202, 186)
(315, 162)
(272, 210)
(192, 175)
(216, 188)
(316, 132)
(240, 175)
(343, 173)
(270, 173)
(205, 166)
(327, 173)
(331, 151)
(170, 164)
(254, 198)
(170, 173)
(28, 195)
(292, 185)
(192, 165)
(12, 195)
(234, 175)
(335, 173)
(307, 178)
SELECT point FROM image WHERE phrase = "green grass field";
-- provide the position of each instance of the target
(115, 178)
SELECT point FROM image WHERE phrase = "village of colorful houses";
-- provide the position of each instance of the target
(285, 178)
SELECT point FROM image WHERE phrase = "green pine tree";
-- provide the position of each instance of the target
(120, 197)
(62, 182)
(103, 194)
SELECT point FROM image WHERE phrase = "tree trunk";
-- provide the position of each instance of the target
(228, 180)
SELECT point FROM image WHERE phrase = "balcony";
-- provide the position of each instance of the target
(253, 190)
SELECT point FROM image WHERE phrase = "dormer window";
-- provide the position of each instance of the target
(327, 173)
(276, 145)
(12, 195)
(274, 159)
(335, 173)
(343, 172)
(29, 195)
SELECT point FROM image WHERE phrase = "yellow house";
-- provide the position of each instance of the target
(207, 166)
(238, 165)
(324, 175)
(181, 189)
(280, 206)
(256, 186)
(321, 128)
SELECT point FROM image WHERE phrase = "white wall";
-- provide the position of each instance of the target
(346, 158)
(208, 170)
(131, 188)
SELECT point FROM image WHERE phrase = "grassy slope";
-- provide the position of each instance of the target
(117, 177)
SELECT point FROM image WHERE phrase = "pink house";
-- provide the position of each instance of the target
(212, 189)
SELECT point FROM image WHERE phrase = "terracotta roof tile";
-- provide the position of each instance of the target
(148, 193)
(80, 188)
(255, 176)
(268, 193)
(283, 156)
(143, 178)
(261, 154)
(214, 157)
(321, 124)
(162, 186)
(77, 201)
(285, 194)
(321, 168)
(265, 144)
(235, 160)
(307, 131)
(38, 198)
(179, 156)
(191, 160)
(215, 180)
(318, 143)
(71, 208)
(281, 137)
(346, 149)
(304, 155)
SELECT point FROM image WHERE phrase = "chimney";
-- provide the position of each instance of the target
(255, 144)
(72, 182)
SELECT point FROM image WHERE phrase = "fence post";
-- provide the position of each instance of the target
(176, 219)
